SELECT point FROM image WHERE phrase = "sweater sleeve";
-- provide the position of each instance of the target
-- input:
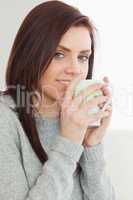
(96, 185)
(56, 179)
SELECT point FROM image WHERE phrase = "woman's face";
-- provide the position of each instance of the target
(71, 59)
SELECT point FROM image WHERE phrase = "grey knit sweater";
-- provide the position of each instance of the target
(23, 177)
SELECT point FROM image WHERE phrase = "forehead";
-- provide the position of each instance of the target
(76, 38)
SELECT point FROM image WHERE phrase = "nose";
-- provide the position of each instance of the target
(73, 68)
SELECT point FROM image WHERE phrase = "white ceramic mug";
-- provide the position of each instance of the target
(82, 85)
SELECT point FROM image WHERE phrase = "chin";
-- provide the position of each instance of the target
(60, 96)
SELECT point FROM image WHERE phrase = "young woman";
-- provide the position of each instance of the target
(47, 151)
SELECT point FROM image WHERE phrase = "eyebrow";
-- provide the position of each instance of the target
(69, 50)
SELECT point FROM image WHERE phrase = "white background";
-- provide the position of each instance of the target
(114, 59)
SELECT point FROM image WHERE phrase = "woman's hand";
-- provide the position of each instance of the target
(95, 136)
(74, 119)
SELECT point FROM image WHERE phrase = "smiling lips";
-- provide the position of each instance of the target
(64, 82)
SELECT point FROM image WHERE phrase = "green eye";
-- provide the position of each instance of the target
(59, 55)
(84, 58)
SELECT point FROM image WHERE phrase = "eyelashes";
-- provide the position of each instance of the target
(84, 58)
(81, 58)
(59, 55)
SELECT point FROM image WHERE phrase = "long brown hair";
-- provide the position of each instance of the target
(33, 49)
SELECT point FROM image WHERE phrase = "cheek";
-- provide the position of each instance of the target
(52, 91)
(52, 71)
(52, 88)
(84, 72)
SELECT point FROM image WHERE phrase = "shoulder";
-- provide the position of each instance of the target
(7, 109)
(8, 120)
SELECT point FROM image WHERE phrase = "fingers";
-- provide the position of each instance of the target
(91, 117)
(106, 79)
(106, 119)
(106, 90)
(69, 92)
(97, 116)
(94, 103)
(102, 114)
(106, 105)
(86, 92)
